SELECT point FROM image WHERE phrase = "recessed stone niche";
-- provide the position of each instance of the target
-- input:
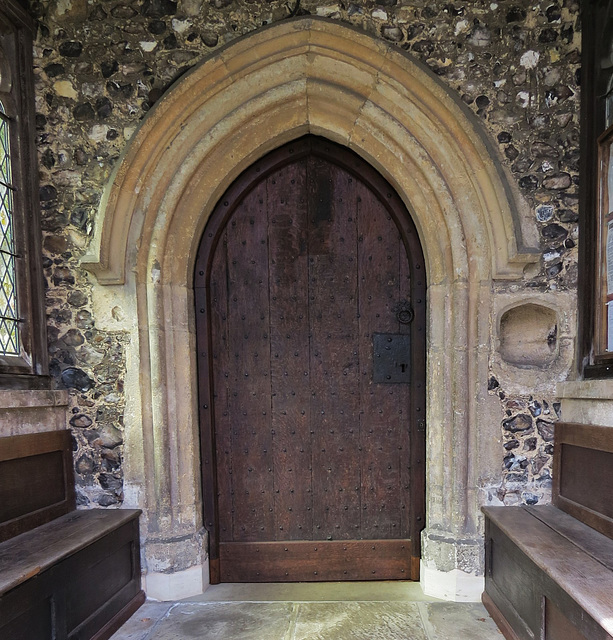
(529, 335)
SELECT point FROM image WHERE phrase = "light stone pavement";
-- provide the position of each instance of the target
(330, 611)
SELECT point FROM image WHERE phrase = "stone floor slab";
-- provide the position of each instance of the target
(358, 621)
(384, 591)
(226, 621)
(139, 626)
(322, 611)
(458, 621)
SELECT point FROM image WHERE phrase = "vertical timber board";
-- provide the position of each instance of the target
(384, 416)
(289, 352)
(334, 358)
(249, 388)
(409, 483)
(218, 317)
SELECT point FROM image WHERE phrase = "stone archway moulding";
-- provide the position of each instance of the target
(281, 82)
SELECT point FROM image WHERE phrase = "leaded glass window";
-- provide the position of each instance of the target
(9, 318)
(23, 344)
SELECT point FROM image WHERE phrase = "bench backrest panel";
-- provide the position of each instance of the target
(583, 474)
(36, 480)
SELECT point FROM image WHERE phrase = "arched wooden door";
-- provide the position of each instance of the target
(310, 302)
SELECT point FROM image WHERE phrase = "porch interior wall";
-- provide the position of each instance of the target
(509, 70)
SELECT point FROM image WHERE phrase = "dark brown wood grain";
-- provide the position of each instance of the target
(38, 550)
(559, 555)
(249, 390)
(558, 626)
(220, 403)
(528, 560)
(65, 574)
(48, 574)
(302, 561)
(45, 460)
(289, 353)
(502, 623)
(307, 255)
(89, 603)
(119, 619)
(595, 18)
(583, 474)
(594, 543)
(333, 309)
(383, 284)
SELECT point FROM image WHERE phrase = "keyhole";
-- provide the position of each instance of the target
(403, 368)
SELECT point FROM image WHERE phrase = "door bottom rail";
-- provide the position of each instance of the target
(316, 560)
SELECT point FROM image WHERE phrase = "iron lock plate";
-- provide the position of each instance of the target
(391, 358)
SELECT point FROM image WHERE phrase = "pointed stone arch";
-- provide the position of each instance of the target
(281, 82)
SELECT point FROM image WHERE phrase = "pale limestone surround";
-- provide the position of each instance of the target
(520, 379)
(281, 82)
(32, 411)
(587, 401)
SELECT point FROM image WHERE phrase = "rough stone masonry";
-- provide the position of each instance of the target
(100, 66)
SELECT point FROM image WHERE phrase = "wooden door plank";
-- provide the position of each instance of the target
(221, 370)
(249, 389)
(289, 352)
(410, 484)
(384, 416)
(334, 352)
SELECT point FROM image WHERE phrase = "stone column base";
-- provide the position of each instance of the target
(452, 566)
(179, 585)
(454, 585)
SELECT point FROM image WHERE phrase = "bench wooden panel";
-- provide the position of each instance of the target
(27, 613)
(557, 625)
(64, 574)
(99, 581)
(583, 474)
(45, 460)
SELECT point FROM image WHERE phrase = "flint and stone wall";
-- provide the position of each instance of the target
(100, 67)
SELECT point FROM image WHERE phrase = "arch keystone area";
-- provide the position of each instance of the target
(274, 85)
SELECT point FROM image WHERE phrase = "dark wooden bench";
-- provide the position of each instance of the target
(549, 569)
(64, 574)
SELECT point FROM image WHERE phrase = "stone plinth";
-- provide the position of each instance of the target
(32, 411)
(587, 401)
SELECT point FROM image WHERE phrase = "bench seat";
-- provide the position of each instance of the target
(75, 578)
(33, 552)
(547, 569)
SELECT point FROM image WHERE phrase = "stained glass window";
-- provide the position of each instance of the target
(9, 334)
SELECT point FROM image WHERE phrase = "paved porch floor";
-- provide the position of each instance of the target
(317, 611)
